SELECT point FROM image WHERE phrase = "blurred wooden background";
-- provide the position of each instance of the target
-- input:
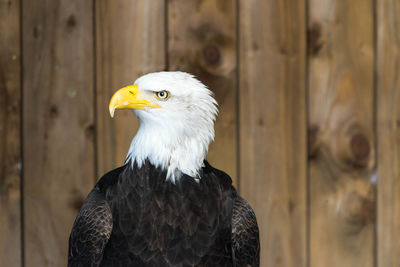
(309, 124)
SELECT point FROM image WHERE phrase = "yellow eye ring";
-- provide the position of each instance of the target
(162, 95)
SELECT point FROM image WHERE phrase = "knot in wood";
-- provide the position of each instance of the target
(314, 39)
(53, 110)
(368, 210)
(312, 143)
(37, 31)
(359, 209)
(211, 55)
(77, 203)
(90, 131)
(71, 22)
(360, 149)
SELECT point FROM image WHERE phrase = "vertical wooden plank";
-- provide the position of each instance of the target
(129, 43)
(58, 123)
(341, 151)
(202, 41)
(272, 99)
(10, 115)
(388, 132)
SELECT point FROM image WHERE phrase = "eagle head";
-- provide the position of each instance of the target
(176, 113)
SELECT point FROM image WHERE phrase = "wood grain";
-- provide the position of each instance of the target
(272, 98)
(202, 41)
(388, 132)
(58, 123)
(10, 134)
(341, 148)
(129, 43)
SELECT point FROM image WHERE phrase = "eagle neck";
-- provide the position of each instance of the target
(170, 148)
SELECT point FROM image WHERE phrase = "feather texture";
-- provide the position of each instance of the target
(157, 223)
(245, 236)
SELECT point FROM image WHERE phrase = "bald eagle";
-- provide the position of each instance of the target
(167, 206)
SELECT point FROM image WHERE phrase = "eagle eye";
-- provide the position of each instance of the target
(162, 95)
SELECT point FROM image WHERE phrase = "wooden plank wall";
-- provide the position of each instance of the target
(341, 116)
(272, 101)
(388, 132)
(10, 134)
(58, 122)
(308, 128)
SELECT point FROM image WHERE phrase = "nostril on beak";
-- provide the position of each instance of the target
(132, 93)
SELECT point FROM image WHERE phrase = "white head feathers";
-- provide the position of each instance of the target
(177, 135)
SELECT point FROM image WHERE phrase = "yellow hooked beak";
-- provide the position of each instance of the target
(127, 98)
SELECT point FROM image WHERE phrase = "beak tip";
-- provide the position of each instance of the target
(112, 110)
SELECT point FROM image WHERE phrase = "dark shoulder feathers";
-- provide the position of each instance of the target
(93, 225)
(245, 233)
(245, 236)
